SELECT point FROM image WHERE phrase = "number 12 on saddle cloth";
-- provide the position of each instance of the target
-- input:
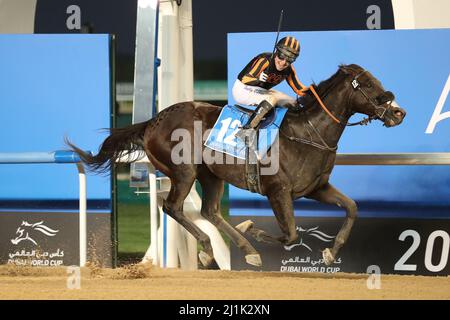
(222, 137)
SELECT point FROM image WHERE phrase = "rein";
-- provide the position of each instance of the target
(322, 104)
(356, 86)
(324, 146)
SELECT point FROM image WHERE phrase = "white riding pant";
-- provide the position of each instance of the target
(253, 95)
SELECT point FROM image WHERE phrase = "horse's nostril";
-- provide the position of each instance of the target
(399, 113)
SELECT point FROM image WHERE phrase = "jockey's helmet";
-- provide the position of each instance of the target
(288, 48)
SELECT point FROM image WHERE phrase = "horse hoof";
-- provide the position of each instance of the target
(254, 260)
(327, 257)
(245, 226)
(205, 258)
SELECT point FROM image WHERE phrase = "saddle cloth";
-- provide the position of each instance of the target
(222, 137)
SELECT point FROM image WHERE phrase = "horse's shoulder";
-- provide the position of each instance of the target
(295, 115)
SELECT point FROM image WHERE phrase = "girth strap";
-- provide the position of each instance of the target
(252, 165)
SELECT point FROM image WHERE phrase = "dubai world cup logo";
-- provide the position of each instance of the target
(26, 232)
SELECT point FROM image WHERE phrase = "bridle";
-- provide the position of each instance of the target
(356, 88)
(380, 113)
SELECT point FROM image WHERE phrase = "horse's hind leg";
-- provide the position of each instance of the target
(328, 194)
(173, 206)
(212, 191)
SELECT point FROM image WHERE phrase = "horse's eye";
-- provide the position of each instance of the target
(369, 85)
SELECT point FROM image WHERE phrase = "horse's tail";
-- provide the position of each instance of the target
(120, 143)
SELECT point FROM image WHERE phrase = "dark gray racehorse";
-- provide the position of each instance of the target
(307, 151)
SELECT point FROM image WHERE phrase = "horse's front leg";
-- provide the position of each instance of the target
(258, 234)
(282, 206)
(328, 194)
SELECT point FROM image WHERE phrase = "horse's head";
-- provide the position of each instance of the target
(370, 98)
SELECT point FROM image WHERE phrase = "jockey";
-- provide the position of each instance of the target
(254, 83)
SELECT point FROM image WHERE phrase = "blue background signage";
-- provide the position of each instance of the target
(414, 65)
(53, 86)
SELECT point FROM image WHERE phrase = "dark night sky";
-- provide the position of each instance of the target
(106, 16)
(212, 20)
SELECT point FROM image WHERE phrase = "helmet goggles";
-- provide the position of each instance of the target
(283, 56)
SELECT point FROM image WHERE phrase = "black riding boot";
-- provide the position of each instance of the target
(263, 108)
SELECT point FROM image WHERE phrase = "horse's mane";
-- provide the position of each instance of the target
(325, 86)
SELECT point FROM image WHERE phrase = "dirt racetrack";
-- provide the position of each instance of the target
(148, 282)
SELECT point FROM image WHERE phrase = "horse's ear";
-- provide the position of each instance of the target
(345, 69)
(342, 69)
(351, 69)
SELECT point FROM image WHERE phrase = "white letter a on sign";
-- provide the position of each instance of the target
(437, 115)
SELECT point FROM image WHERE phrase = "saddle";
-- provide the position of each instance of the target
(266, 121)
(222, 138)
(252, 163)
